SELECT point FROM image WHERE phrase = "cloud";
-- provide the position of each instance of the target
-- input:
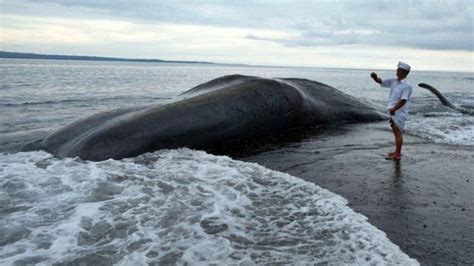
(321, 38)
(425, 25)
(430, 41)
(279, 32)
(429, 24)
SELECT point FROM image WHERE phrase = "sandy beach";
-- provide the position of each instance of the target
(423, 203)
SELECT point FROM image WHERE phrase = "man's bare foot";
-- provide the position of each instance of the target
(394, 156)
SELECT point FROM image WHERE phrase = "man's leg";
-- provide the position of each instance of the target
(398, 140)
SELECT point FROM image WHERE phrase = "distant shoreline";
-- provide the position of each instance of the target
(15, 55)
(34, 56)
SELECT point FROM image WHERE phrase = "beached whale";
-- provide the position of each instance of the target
(225, 109)
(445, 101)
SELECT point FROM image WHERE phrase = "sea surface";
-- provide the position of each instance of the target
(182, 206)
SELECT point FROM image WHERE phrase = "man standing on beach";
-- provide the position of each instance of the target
(400, 92)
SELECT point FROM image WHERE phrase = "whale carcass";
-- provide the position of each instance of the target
(225, 109)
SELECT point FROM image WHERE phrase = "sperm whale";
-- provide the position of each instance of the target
(228, 108)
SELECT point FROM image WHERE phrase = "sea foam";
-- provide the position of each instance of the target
(176, 207)
(449, 128)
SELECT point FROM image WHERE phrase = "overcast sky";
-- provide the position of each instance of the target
(429, 35)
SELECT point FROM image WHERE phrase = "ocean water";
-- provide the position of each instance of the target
(39, 96)
(178, 206)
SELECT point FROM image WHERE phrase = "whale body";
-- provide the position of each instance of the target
(225, 109)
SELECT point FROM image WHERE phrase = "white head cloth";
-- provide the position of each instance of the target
(404, 66)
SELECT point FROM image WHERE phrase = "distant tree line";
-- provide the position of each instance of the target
(4, 54)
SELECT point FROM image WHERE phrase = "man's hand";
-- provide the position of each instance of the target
(397, 106)
(375, 78)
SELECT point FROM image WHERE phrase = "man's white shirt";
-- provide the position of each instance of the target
(399, 89)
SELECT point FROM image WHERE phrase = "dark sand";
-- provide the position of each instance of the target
(424, 203)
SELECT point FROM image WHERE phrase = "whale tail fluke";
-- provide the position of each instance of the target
(444, 100)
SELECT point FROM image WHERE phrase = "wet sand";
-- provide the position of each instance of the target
(424, 203)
